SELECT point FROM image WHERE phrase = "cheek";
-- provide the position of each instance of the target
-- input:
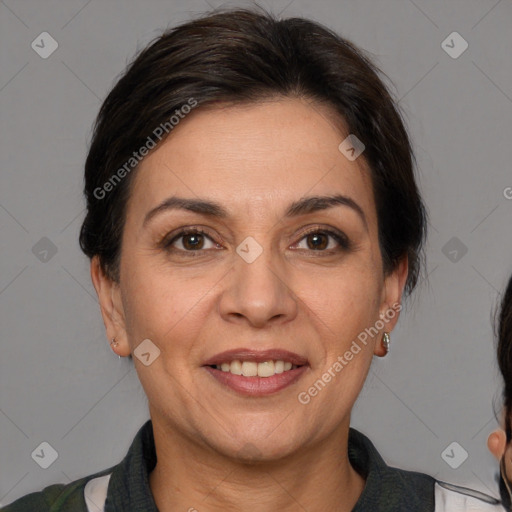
(170, 305)
(508, 462)
(164, 304)
(350, 299)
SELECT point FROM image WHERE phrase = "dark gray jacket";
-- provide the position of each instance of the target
(125, 487)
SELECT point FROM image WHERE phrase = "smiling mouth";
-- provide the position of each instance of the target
(256, 379)
(256, 373)
(253, 369)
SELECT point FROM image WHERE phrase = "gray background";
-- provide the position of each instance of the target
(60, 383)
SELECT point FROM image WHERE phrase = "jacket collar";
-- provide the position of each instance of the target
(387, 488)
(129, 484)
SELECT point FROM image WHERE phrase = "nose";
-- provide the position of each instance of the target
(258, 293)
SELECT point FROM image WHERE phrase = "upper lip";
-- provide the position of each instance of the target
(258, 356)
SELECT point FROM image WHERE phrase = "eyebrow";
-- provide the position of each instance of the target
(303, 206)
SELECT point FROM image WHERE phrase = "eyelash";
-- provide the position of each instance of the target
(340, 238)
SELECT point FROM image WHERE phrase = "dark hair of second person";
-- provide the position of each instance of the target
(500, 441)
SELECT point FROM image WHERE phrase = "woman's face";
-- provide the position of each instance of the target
(301, 282)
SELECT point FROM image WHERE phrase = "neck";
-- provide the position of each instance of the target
(197, 478)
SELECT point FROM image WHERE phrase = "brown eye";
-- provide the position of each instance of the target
(189, 240)
(317, 241)
(193, 241)
(323, 240)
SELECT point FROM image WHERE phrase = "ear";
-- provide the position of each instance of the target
(497, 442)
(111, 305)
(391, 301)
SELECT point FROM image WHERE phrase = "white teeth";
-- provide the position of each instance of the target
(266, 369)
(236, 368)
(253, 369)
(249, 369)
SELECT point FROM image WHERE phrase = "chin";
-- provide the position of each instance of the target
(258, 448)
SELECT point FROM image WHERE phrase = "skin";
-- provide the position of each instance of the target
(218, 450)
(497, 444)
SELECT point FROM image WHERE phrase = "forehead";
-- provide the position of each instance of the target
(254, 156)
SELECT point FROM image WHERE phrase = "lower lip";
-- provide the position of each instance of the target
(257, 386)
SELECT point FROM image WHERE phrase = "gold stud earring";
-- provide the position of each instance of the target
(115, 343)
(386, 340)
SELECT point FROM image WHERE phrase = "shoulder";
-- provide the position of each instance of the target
(422, 492)
(427, 493)
(77, 496)
(408, 490)
(392, 489)
(41, 500)
(454, 498)
(388, 488)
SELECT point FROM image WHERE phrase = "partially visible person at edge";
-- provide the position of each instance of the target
(500, 442)
(253, 221)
